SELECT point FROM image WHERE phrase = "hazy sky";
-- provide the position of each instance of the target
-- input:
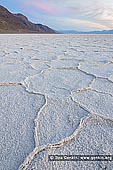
(66, 14)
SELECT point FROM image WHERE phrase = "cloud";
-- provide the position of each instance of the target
(99, 12)
(84, 25)
(45, 8)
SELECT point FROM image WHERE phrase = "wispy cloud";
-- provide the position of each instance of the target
(84, 24)
(97, 12)
(44, 8)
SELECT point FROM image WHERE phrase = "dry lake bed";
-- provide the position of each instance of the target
(56, 98)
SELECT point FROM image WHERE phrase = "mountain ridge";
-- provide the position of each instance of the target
(86, 32)
(18, 23)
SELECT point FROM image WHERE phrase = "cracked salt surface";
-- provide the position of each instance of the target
(15, 72)
(64, 64)
(39, 65)
(103, 85)
(91, 139)
(56, 97)
(61, 116)
(58, 81)
(96, 102)
(97, 69)
(18, 110)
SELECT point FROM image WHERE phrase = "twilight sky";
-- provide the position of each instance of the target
(82, 15)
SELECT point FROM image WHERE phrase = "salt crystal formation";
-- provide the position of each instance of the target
(56, 98)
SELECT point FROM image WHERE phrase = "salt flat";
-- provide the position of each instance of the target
(56, 97)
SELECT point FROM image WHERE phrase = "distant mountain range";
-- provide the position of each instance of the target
(89, 32)
(18, 23)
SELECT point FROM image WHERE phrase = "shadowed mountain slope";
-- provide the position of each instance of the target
(18, 23)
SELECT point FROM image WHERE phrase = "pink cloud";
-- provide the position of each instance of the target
(45, 8)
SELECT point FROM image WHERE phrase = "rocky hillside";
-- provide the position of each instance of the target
(18, 23)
